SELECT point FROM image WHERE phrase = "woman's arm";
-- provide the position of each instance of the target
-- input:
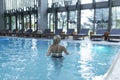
(65, 51)
(49, 51)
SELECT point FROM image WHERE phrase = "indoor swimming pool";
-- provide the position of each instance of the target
(25, 59)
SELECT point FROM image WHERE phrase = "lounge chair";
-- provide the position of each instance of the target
(28, 32)
(83, 33)
(100, 34)
(57, 32)
(13, 32)
(20, 33)
(3, 32)
(68, 33)
(114, 34)
(34, 33)
(7, 32)
(45, 33)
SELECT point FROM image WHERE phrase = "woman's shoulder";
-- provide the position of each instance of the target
(61, 46)
(51, 45)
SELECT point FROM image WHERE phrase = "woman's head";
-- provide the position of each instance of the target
(56, 39)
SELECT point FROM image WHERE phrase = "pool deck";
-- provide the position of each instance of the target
(114, 71)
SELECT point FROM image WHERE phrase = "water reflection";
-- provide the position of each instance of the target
(54, 68)
(57, 62)
(86, 58)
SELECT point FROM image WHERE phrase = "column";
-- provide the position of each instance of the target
(42, 15)
(2, 15)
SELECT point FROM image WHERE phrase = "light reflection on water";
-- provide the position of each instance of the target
(25, 59)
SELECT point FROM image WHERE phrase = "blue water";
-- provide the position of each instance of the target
(25, 59)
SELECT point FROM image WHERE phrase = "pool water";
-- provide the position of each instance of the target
(25, 59)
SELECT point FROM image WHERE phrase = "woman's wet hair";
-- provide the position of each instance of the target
(56, 39)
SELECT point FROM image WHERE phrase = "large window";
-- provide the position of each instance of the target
(102, 18)
(51, 21)
(100, 0)
(87, 19)
(7, 22)
(73, 2)
(19, 22)
(16, 4)
(33, 22)
(86, 1)
(61, 3)
(13, 22)
(62, 21)
(73, 20)
(27, 22)
(116, 17)
(57, 3)
(49, 3)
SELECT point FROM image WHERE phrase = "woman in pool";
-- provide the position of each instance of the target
(56, 49)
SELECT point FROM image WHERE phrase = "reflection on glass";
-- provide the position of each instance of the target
(49, 3)
(33, 21)
(102, 18)
(19, 22)
(15, 4)
(58, 3)
(13, 22)
(7, 23)
(62, 21)
(87, 19)
(86, 1)
(26, 22)
(115, 17)
(51, 21)
(100, 0)
(73, 2)
(61, 3)
(73, 20)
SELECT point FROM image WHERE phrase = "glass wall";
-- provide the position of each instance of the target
(26, 22)
(62, 21)
(7, 22)
(73, 20)
(87, 19)
(33, 18)
(49, 3)
(100, 0)
(16, 4)
(73, 2)
(13, 23)
(90, 17)
(86, 1)
(57, 3)
(61, 3)
(19, 22)
(101, 16)
(51, 21)
(116, 17)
